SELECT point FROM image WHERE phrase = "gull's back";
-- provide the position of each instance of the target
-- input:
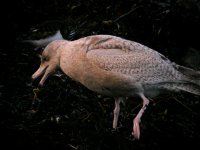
(143, 66)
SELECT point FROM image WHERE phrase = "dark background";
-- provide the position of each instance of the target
(68, 116)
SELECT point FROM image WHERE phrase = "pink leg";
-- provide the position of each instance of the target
(136, 121)
(116, 111)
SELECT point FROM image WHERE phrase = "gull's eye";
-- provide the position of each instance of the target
(44, 59)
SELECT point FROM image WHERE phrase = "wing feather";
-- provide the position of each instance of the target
(145, 66)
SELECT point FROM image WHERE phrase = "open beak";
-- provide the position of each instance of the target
(39, 72)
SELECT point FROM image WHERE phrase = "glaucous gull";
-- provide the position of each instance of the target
(116, 67)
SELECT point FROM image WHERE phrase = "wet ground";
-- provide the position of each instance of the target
(65, 115)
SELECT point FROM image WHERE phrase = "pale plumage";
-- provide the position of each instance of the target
(117, 67)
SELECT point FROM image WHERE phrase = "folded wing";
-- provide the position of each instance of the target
(141, 65)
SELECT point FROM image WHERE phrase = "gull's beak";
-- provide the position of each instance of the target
(39, 72)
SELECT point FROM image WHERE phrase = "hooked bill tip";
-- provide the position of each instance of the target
(40, 85)
(32, 78)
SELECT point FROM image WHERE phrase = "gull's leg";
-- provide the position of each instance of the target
(116, 111)
(136, 121)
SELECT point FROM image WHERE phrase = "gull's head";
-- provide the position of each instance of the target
(50, 61)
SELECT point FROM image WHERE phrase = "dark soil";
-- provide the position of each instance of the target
(66, 115)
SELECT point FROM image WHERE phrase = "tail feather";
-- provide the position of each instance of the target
(180, 86)
(192, 83)
(190, 87)
(192, 74)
